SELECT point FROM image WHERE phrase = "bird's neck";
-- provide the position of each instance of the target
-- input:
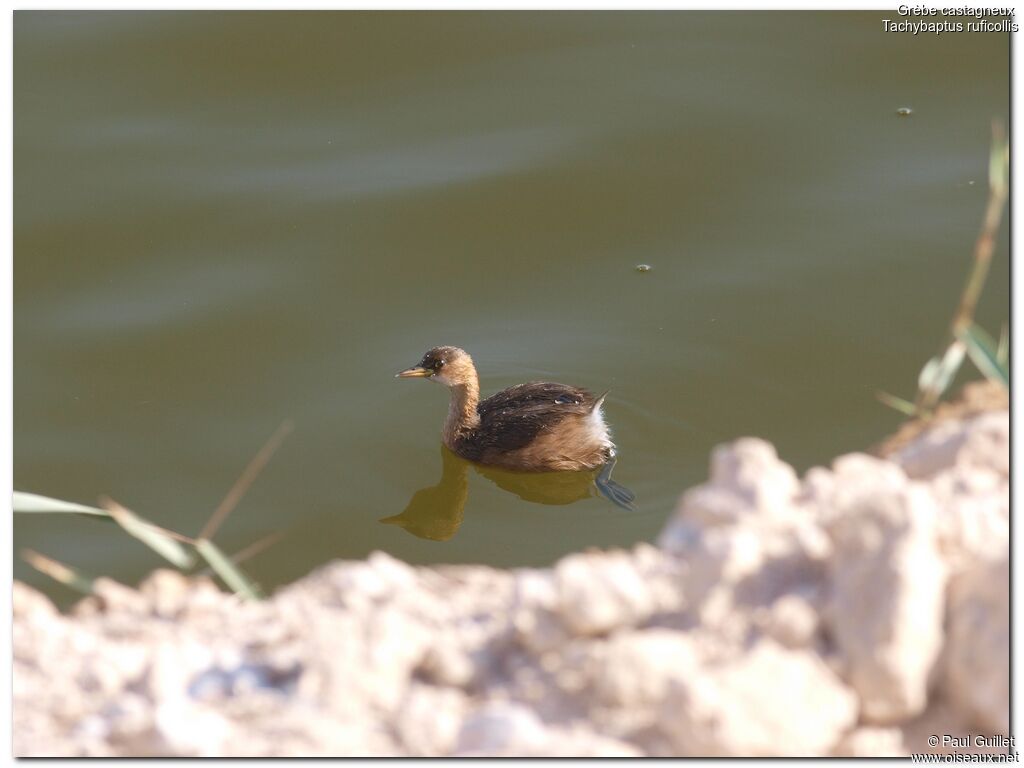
(462, 415)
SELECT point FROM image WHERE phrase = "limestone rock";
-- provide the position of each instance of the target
(792, 621)
(776, 618)
(600, 592)
(634, 670)
(982, 442)
(27, 603)
(887, 584)
(747, 479)
(977, 679)
(501, 729)
(872, 741)
(535, 612)
(748, 707)
(429, 719)
(511, 730)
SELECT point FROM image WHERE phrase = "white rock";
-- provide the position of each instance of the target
(977, 659)
(770, 702)
(888, 585)
(981, 443)
(365, 660)
(792, 621)
(872, 741)
(635, 669)
(974, 514)
(933, 451)
(818, 486)
(857, 476)
(428, 720)
(446, 663)
(716, 559)
(113, 596)
(29, 604)
(752, 468)
(535, 608)
(747, 478)
(580, 741)
(988, 443)
(167, 592)
(379, 577)
(191, 730)
(734, 639)
(750, 564)
(600, 592)
(501, 729)
(173, 666)
(127, 724)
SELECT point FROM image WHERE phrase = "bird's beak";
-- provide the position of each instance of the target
(413, 373)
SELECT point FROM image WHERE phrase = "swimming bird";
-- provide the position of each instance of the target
(539, 426)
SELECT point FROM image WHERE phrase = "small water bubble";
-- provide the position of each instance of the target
(904, 111)
(643, 267)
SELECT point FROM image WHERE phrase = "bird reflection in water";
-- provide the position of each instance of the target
(436, 512)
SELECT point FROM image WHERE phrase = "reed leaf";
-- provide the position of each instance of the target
(938, 372)
(154, 537)
(984, 353)
(250, 551)
(33, 502)
(897, 403)
(236, 581)
(59, 572)
(998, 161)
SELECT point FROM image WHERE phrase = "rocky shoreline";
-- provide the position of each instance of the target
(855, 611)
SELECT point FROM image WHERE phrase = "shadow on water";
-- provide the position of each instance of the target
(436, 512)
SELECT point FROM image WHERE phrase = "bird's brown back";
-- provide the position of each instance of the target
(517, 416)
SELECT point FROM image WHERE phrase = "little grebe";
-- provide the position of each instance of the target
(535, 427)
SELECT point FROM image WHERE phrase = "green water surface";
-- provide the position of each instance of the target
(226, 220)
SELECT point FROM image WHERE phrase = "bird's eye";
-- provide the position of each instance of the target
(439, 364)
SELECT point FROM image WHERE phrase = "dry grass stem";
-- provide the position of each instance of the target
(245, 480)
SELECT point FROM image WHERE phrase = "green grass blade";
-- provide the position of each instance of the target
(897, 403)
(59, 572)
(33, 502)
(939, 371)
(1003, 350)
(150, 535)
(251, 551)
(237, 581)
(983, 353)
